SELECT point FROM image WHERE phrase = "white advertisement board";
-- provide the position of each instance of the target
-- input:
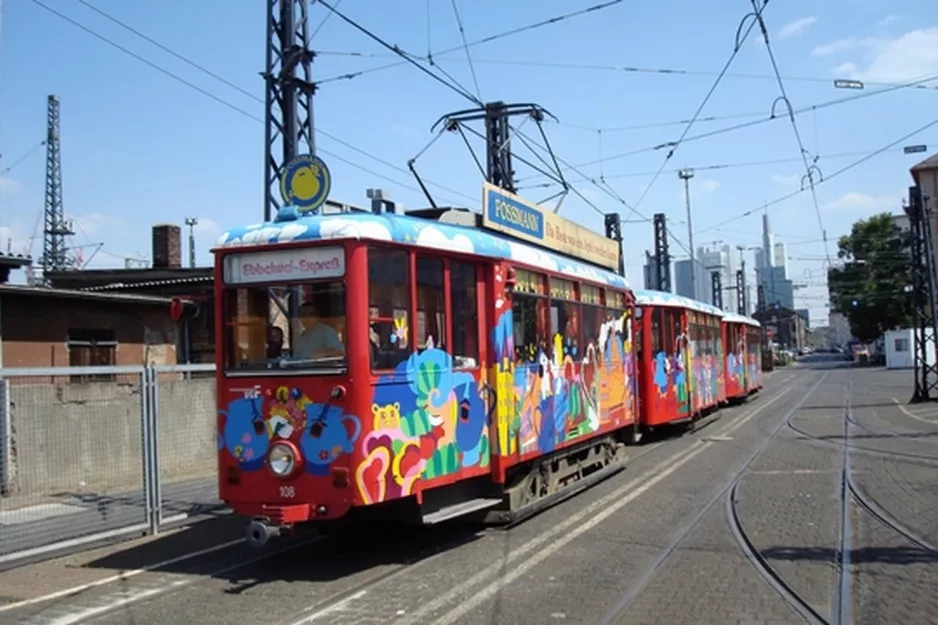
(285, 265)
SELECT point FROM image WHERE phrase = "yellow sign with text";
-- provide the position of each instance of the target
(513, 215)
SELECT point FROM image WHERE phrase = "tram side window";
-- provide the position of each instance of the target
(465, 314)
(657, 340)
(389, 306)
(565, 316)
(593, 318)
(431, 304)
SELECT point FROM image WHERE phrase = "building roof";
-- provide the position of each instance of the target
(927, 165)
(88, 278)
(15, 261)
(414, 231)
(117, 298)
(123, 286)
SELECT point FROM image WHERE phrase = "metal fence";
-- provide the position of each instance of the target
(91, 453)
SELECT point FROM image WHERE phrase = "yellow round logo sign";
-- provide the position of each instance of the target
(305, 182)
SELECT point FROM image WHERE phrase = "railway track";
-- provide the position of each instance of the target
(629, 596)
(850, 494)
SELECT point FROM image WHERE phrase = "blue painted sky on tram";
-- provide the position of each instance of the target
(139, 147)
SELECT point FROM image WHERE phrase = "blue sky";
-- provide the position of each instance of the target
(139, 147)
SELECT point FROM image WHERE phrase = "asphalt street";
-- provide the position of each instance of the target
(698, 529)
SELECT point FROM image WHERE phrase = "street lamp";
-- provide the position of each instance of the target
(686, 175)
(192, 222)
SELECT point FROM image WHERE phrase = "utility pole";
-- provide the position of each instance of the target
(686, 175)
(54, 252)
(288, 115)
(192, 222)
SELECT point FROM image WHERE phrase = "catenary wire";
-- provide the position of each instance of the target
(244, 112)
(757, 122)
(837, 173)
(663, 71)
(737, 46)
(809, 167)
(490, 38)
(455, 86)
(465, 43)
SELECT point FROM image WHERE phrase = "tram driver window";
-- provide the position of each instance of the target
(389, 306)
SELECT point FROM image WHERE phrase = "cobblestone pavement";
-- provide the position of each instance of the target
(579, 561)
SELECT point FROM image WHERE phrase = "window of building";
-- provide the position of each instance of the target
(389, 306)
(297, 326)
(431, 303)
(902, 345)
(465, 314)
(92, 348)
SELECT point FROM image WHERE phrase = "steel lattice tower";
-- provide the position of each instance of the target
(289, 99)
(54, 251)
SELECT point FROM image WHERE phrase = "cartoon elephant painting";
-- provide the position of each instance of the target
(327, 436)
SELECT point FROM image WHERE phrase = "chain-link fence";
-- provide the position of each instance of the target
(92, 453)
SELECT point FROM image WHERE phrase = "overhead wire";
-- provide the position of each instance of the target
(810, 168)
(770, 118)
(237, 108)
(837, 173)
(488, 39)
(737, 45)
(462, 35)
(710, 167)
(454, 85)
(663, 71)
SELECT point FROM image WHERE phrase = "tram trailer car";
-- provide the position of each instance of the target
(744, 360)
(679, 351)
(454, 371)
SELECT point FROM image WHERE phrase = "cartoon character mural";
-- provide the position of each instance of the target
(323, 432)
(551, 394)
(431, 425)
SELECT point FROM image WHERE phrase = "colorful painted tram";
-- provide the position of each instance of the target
(424, 368)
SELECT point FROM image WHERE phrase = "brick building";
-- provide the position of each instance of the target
(43, 327)
(167, 278)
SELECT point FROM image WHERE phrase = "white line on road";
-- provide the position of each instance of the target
(74, 590)
(122, 597)
(573, 527)
(910, 414)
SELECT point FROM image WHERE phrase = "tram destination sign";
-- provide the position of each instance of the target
(285, 265)
(510, 214)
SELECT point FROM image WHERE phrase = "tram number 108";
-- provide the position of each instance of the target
(287, 492)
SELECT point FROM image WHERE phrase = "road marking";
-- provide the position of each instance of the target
(909, 413)
(74, 590)
(123, 597)
(562, 534)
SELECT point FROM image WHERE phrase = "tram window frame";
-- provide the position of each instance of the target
(424, 266)
(464, 316)
(530, 307)
(386, 357)
(251, 311)
(565, 313)
(657, 324)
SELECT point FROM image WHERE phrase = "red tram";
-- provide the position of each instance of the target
(421, 367)
(744, 360)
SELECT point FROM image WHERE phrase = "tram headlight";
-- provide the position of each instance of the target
(281, 460)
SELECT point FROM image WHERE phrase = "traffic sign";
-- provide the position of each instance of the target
(914, 149)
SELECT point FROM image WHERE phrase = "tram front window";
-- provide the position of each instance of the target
(294, 326)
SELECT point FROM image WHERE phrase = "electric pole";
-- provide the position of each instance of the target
(288, 116)
(686, 175)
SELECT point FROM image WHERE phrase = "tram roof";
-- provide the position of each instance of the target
(661, 298)
(734, 318)
(414, 231)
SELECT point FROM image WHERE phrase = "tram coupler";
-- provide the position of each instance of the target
(260, 531)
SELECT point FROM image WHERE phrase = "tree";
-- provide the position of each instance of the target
(873, 289)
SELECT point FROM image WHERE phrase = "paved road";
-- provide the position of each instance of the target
(651, 545)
